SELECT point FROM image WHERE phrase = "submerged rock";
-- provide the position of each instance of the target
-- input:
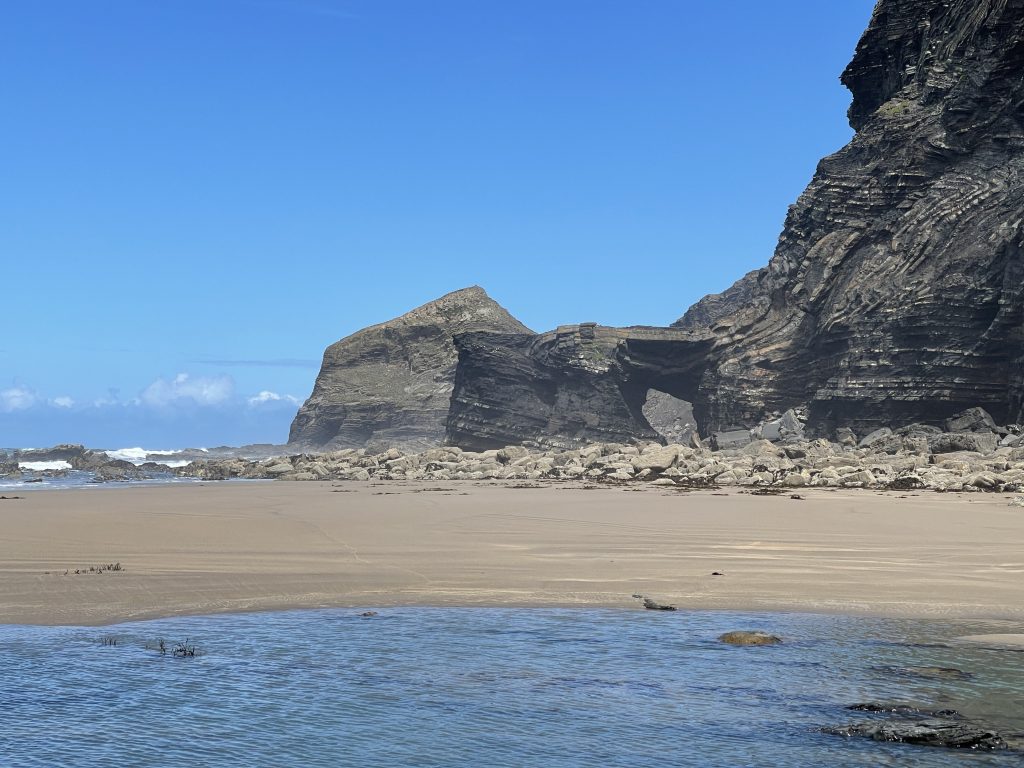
(935, 673)
(749, 638)
(932, 732)
(904, 710)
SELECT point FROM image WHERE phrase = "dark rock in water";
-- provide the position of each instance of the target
(895, 295)
(118, 471)
(653, 605)
(389, 385)
(78, 456)
(749, 638)
(931, 732)
(904, 710)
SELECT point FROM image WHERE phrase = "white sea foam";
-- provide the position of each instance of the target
(139, 455)
(39, 466)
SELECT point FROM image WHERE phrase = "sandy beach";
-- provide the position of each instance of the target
(206, 548)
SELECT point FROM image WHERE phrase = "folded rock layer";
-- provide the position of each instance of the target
(894, 295)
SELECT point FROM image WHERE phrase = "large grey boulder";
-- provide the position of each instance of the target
(670, 417)
(972, 420)
(656, 459)
(963, 441)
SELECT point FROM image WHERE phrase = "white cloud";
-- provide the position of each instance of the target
(214, 390)
(17, 399)
(266, 396)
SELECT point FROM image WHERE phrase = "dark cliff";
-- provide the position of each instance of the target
(389, 385)
(896, 292)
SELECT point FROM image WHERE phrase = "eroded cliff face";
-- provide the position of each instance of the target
(895, 292)
(575, 385)
(389, 385)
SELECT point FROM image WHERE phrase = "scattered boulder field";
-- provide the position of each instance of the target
(970, 454)
(986, 458)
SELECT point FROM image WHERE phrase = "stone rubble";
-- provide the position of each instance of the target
(911, 458)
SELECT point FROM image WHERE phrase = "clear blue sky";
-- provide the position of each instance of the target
(198, 196)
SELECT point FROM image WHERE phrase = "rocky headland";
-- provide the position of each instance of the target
(389, 385)
(895, 295)
(882, 346)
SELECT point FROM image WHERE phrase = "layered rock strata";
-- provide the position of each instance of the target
(389, 385)
(895, 295)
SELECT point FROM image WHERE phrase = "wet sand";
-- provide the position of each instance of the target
(206, 548)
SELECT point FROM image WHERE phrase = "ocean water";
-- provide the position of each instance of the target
(485, 687)
(49, 481)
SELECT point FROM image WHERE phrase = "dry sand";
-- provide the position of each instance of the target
(215, 547)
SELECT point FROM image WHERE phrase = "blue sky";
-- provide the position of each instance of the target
(199, 196)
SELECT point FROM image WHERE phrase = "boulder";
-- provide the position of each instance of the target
(730, 439)
(670, 417)
(654, 605)
(117, 471)
(918, 430)
(280, 468)
(875, 438)
(846, 437)
(299, 476)
(512, 453)
(656, 458)
(963, 441)
(971, 420)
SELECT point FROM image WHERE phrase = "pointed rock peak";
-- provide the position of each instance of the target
(473, 291)
(468, 309)
(390, 385)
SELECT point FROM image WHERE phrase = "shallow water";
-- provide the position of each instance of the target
(72, 479)
(486, 687)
